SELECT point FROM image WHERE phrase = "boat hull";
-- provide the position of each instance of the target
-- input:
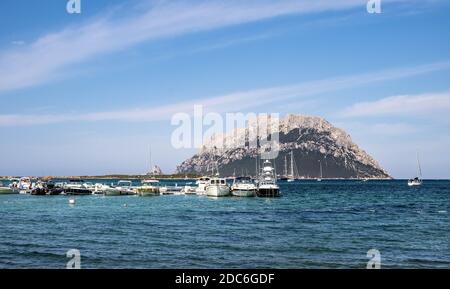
(118, 192)
(148, 192)
(39, 192)
(217, 191)
(77, 192)
(244, 193)
(7, 191)
(414, 184)
(268, 192)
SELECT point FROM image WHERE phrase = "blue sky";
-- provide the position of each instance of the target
(89, 93)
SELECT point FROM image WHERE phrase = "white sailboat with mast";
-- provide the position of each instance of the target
(292, 177)
(321, 173)
(417, 181)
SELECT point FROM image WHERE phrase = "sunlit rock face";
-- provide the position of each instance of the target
(313, 140)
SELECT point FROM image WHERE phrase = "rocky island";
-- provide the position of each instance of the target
(313, 141)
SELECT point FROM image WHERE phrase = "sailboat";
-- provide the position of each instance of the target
(321, 175)
(291, 177)
(417, 181)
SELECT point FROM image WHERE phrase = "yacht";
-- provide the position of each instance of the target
(40, 189)
(121, 189)
(99, 189)
(149, 188)
(77, 187)
(217, 187)
(24, 186)
(417, 181)
(267, 185)
(243, 187)
(201, 185)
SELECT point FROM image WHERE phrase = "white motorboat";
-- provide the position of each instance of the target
(243, 187)
(189, 190)
(149, 188)
(122, 188)
(6, 190)
(99, 189)
(77, 187)
(25, 185)
(217, 187)
(267, 185)
(417, 181)
(202, 183)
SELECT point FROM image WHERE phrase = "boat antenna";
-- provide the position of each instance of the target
(418, 166)
(151, 162)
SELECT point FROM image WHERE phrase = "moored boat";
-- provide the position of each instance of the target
(149, 188)
(217, 187)
(267, 186)
(243, 187)
(201, 185)
(7, 190)
(77, 187)
(25, 185)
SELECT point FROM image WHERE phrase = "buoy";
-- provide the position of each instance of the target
(72, 201)
(125, 205)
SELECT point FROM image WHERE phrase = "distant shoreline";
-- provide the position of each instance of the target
(166, 177)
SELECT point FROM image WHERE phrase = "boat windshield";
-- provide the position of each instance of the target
(124, 183)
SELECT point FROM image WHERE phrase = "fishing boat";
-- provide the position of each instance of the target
(267, 185)
(243, 187)
(202, 183)
(149, 188)
(217, 187)
(77, 187)
(417, 181)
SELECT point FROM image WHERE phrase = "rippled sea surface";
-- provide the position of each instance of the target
(329, 224)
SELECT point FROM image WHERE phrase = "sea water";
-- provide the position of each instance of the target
(328, 224)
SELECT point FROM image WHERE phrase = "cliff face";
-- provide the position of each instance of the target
(312, 140)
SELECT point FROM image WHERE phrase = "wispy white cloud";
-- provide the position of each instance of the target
(18, 42)
(413, 105)
(42, 60)
(253, 99)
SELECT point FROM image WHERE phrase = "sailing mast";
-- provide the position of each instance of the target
(292, 165)
(285, 166)
(320, 178)
(151, 167)
(418, 167)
